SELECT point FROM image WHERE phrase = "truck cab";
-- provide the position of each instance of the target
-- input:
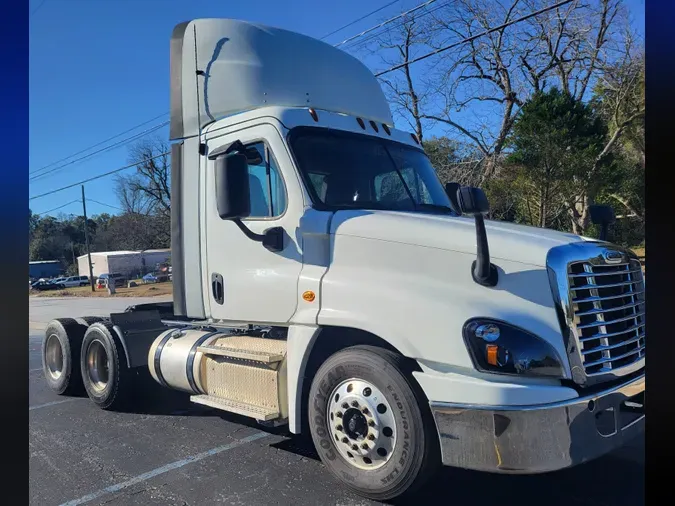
(325, 279)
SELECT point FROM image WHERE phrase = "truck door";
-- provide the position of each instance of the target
(246, 281)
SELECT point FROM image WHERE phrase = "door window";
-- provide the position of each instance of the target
(266, 187)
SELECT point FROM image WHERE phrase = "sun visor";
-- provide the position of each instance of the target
(221, 67)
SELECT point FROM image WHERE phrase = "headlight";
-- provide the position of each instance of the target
(497, 347)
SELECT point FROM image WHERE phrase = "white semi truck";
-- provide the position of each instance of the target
(325, 279)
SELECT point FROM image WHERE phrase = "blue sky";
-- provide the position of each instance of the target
(100, 67)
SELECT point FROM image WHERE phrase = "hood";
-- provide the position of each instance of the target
(508, 241)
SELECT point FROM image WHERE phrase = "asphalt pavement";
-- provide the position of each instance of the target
(43, 309)
(169, 451)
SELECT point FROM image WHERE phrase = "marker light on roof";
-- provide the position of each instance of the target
(313, 114)
(374, 125)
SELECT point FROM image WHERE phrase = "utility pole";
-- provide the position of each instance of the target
(86, 241)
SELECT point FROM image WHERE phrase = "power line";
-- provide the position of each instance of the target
(37, 8)
(77, 201)
(57, 208)
(104, 204)
(384, 23)
(359, 19)
(99, 143)
(473, 37)
(360, 43)
(102, 150)
(99, 176)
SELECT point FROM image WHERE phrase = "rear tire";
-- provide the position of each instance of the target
(371, 425)
(60, 355)
(89, 320)
(103, 362)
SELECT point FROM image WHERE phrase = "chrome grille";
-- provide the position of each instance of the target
(607, 313)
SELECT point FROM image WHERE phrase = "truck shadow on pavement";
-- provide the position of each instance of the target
(613, 480)
(610, 480)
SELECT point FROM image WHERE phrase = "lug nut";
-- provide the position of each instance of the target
(364, 446)
(345, 440)
(371, 423)
(355, 404)
(371, 437)
(339, 414)
(365, 411)
(345, 405)
(339, 427)
(355, 447)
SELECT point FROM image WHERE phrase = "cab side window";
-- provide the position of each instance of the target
(266, 187)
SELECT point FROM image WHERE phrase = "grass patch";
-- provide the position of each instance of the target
(149, 290)
(640, 252)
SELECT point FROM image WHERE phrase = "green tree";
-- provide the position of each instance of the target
(556, 141)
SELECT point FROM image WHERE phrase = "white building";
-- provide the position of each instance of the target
(129, 263)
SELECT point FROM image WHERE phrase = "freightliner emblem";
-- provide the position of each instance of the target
(613, 257)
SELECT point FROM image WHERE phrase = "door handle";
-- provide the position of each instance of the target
(217, 288)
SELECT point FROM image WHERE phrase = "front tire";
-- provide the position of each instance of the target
(370, 424)
(105, 374)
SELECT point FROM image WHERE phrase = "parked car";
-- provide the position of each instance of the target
(104, 279)
(46, 285)
(155, 277)
(75, 281)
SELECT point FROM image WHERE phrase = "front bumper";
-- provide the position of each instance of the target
(540, 438)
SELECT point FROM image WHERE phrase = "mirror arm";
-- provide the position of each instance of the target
(247, 232)
(272, 239)
(483, 272)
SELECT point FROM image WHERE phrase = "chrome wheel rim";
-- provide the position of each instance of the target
(54, 357)
(362, 424)
(98, 365)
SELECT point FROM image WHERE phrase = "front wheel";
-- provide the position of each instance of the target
(370, 424)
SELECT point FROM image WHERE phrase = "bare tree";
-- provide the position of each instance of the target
(477, 82)
(398, 47)
(481, 85)
(148, 191)
(477, 89)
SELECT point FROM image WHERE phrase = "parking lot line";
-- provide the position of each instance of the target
(53, 403)
(164, 469)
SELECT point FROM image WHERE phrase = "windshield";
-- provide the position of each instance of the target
(344, 170)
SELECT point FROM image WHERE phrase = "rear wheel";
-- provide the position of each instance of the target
(105, 374)
(370, 424)
(60, 355)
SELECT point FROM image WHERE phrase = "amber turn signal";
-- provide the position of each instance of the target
(491, 352)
